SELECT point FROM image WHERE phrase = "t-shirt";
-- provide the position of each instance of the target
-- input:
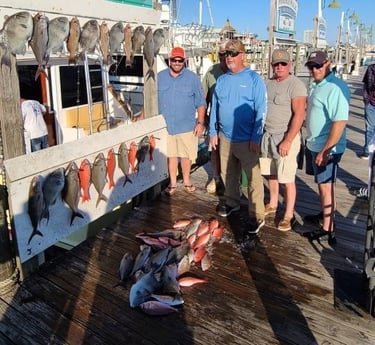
(33, 121)
(328, 101)
(279, 102)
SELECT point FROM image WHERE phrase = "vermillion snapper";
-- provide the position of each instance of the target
(128, 46)
(104, 42)
(73, 39)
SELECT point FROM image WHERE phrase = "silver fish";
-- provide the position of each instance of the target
(157, 260)
(35, 205)
(15, 33)
(142, 289)
(138, 39)
(73, 39)
(98, 176)
(89, 38)
(169, 279)
(126, 266)
(116, 37)
(141, 258)
(52, 188)
(142, 151)
(157, 308)
(72, 190)
(123, 162)
(58, 32)
(104, 42)
(149, 52)
(128, 46)
(158, 40)
(169, 299)
(39, 42)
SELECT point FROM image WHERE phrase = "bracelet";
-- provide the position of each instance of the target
(200, 123)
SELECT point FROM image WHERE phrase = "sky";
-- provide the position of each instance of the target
(253, 15)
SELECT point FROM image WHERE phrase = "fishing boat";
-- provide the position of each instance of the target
(93, 108)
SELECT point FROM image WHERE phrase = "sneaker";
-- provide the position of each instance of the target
(364, 155)
(286, 224)
(360, 193)
(211, 187)
(225, 210)
(321, 235)
(269, 210)
(255, 225)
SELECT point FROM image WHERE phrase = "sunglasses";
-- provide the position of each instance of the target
(231, 53)
(315, 65)
(178, 60)
(280, 63)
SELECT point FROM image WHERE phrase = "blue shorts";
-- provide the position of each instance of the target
(325, 173)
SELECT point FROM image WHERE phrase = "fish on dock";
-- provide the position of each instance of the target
(35, 205)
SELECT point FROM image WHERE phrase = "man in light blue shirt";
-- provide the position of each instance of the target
(327, 116)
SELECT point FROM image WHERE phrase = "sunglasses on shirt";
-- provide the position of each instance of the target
(280, 63)
(178, 60)
(231, 53)
(315, 65)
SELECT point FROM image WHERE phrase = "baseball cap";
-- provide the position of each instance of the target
(280, 55)
(177, 52)
(317, 57)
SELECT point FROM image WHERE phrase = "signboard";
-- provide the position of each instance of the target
(61, 216)
(286, 16)
(322, 28)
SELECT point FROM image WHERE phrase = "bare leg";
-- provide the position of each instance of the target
(172, 167)
(186, 166)
(273, 185)
(290, 199)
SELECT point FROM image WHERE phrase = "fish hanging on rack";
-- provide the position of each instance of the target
(129, 55)
(98, 176)
(104, 42)
(39, 42)
(116, 37)
(35, 205)
(73, 39)
(58, 32)
(149, 52)
(89, 38)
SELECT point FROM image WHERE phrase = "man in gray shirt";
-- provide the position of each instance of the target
(281, 140)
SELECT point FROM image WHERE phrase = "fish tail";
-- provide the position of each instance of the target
(5, 59)
(34, 233)
(75, 214)
(127, 179)
(101, 197)
(151, 74)
(39, 71)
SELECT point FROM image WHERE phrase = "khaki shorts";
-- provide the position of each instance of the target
(184, 145)
(284, 168)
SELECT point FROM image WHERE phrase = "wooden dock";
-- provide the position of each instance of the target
(279, 289)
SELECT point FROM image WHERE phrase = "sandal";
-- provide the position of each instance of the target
(170, 190)
(190, 189)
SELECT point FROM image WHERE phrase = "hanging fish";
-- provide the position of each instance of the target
(39, 42)
(73, 39)
(52, 188)
(58, 32)
(15, 33)
(89, 38)
(152, 140)
(98, 176)
(158, 40)
(149, 52)
(104, 42)
(132, 156)
(111, 166)
(116, 37)
(123, 162)
(143, 150)
(35, 205)
(71, 192)
(128, 51)
(84, 174)
(138, 39)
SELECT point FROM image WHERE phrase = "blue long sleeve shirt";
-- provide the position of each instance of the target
(239, 105)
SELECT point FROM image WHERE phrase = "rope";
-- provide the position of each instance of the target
(8, 285)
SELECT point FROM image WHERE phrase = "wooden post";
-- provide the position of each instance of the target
(12, 145)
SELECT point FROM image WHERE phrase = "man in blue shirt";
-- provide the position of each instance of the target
(182, 103)
(237, 119)
(327, 116)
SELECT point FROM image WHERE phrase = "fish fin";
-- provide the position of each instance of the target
(39, 71)
(127, 179)
(34, 233)
(45, 213)
(101, 197)
(151, 74)
(75, 214)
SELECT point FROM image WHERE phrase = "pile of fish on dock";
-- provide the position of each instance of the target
(73, 182)
(61, 34)
(162, 265)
